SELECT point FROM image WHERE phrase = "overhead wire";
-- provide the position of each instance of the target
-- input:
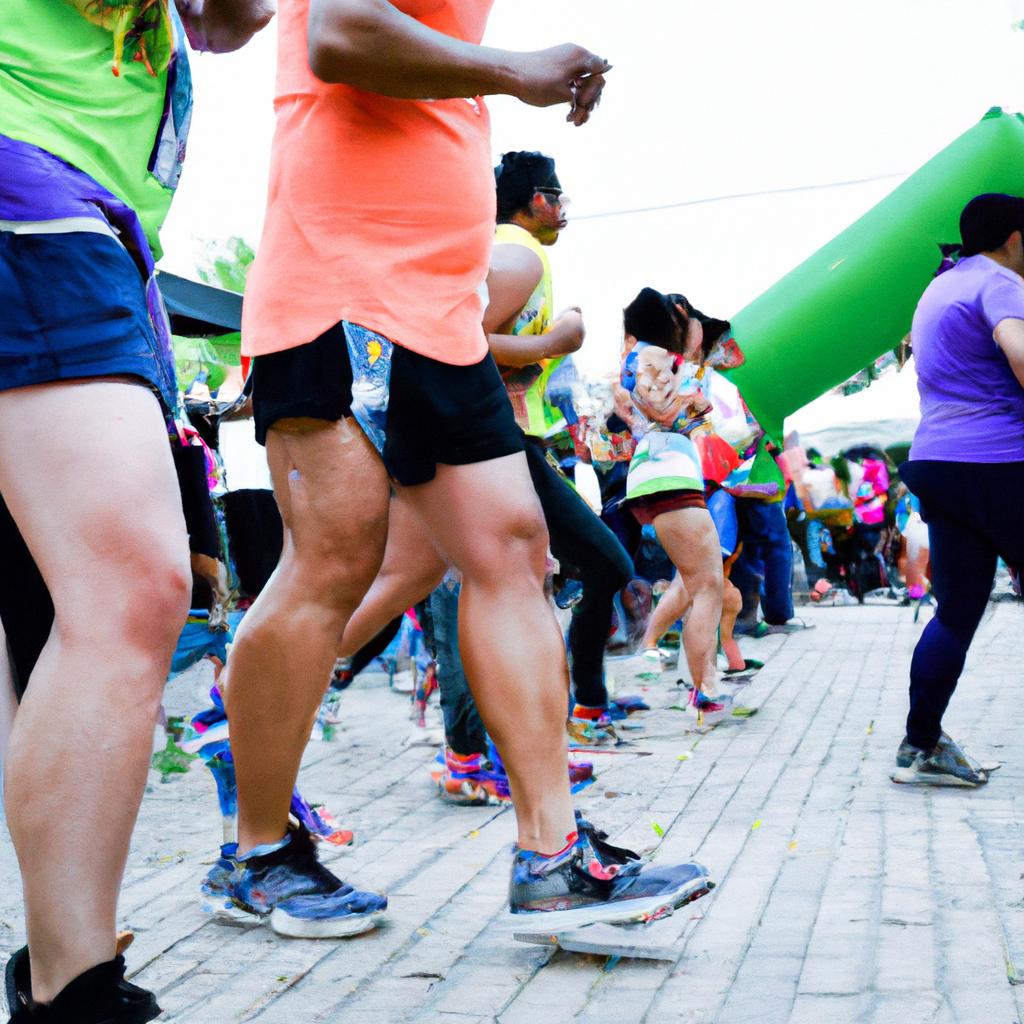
(736, 195)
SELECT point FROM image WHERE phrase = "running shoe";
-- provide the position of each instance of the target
(750, 666)
(580, 773)
(209, 726)
(703, 706)
(946, 765)
(214, 890)
(574, 888)
(472, 780)
(606, 852)
(908, 752)
(591, 732)
(302, 899)
(99, 996)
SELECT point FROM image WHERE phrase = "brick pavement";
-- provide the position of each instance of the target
(843, 898)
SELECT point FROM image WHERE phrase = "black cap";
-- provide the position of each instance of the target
(518, 176)
(988, 221)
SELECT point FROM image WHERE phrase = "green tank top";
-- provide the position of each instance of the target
(59, 91)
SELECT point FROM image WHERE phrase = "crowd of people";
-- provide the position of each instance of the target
(423, 368)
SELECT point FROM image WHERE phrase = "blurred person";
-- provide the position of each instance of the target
(86, 397)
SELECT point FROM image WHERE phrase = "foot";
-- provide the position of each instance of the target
(300, 897)
(945, 765)
(703, 707)
(209, 726)
(907, 752)
(606, 852)
(622, 707)
(99, 996)
(591, 732)
(573, 888)
(472, 779)
(750, 665)
(755, 630)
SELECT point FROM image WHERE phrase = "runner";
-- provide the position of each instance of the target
(86, 468)
(966, 465)
(529, 344)
(364, 317)
(667, 344)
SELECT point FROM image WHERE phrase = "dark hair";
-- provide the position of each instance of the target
(654, 318)
(518, 177)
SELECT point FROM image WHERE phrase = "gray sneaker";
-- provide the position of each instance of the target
(946, 765)
(907, 752)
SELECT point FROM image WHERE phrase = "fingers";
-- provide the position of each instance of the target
(587, 95)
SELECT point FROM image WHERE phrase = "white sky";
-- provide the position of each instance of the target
(707, 98)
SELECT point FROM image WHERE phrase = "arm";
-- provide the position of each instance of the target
(514, 274)
(221, 26)
(1009, 336)
(370, 44)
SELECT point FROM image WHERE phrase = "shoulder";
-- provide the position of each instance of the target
(517, 261)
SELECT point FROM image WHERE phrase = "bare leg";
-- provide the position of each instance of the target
(87, 473)
(732, 605)
(689, 538)
(411, 570)
(286, 646)
(8, 701)
(673, 605)
(487, 521)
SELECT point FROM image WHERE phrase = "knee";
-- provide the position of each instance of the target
(512, 547)
(732, 599)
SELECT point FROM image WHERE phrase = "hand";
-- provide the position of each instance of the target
(220, 26)
(571, 323)
(563, 74)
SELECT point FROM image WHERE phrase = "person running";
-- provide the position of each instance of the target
(966, 465)
(529, 344)
(667, 345)
(371, 371)
(86, 383)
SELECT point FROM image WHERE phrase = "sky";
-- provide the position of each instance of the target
(705, 100)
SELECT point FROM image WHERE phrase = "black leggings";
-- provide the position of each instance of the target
(590, 552)
(975, 515)
(587, 550)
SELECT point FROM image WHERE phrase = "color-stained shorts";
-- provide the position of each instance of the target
(417, 412)
(74, 306)
(648, 507)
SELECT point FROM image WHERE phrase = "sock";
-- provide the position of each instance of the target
(570, 841)
(264, 849)
(582, 711)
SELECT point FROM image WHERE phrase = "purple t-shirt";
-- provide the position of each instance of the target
(972, 405)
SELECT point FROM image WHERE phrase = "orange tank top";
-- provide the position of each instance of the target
(380, 211)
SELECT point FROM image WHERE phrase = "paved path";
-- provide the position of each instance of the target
(843, 897)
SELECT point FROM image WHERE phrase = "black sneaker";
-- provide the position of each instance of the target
(573, 889)
(99, 996)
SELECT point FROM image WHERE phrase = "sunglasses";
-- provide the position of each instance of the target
(554, 194)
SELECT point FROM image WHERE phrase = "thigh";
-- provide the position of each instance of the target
(484, 515)
(86, 471)
(690, 538)
(579, 540)
(331, 488)
(963, 568)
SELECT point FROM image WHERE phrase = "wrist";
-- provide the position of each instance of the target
(506, 76)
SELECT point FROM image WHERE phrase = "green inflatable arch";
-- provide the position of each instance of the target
(855, 297)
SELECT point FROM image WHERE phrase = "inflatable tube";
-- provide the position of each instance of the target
(855, 298)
